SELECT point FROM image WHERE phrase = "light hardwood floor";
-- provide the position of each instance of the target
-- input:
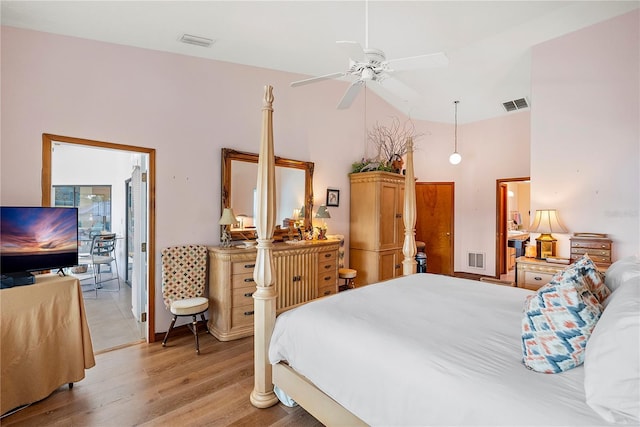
(151, 385)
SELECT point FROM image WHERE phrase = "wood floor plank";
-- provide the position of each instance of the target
(151, 385)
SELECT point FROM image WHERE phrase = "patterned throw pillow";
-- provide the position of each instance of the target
(557, 323)
(592, 277)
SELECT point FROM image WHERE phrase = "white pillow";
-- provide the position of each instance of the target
(621, 271)
(612, 358)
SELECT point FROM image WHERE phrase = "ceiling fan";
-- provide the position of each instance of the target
(371, 65)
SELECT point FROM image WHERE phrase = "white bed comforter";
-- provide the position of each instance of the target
(427, 350)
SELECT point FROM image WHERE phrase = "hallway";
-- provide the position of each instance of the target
(111, 321)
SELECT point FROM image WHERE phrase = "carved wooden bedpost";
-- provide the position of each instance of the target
(409, 215)
(264, 298)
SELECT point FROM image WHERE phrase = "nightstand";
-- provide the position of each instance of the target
(532, 273)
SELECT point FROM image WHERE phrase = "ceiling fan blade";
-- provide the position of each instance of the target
(353, 49)
(350, 95)
(398, 89)
(421, 61)
(317, 79)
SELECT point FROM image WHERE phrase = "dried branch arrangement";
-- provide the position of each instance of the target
(390, 143)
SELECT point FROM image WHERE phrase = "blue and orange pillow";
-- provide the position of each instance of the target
(560, 316)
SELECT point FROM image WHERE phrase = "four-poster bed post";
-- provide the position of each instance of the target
(264, 298)
(262, 395)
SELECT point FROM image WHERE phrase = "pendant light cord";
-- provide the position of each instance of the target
(455, 135)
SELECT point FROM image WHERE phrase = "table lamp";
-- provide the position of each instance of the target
(226, 220)
(546, 222)
(323, 213)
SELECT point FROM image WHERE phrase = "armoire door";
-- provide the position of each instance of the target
(434, 224)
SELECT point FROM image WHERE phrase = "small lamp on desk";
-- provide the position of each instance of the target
(546, 222)
(226, 220)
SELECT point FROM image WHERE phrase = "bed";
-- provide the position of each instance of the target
(425, 349)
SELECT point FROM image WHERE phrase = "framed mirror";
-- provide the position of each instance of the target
(294, 192)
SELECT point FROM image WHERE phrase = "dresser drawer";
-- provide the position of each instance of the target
(243, 267)
(535, 279)
(242, 316)
(599, 260)
(326, 291)
(327, 256)
(590, 244)
(325, 266)
(578, 252)
(242, 296)
(242, 280)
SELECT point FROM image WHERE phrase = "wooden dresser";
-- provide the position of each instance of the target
(376, 228)
(598, 248)
(302, 272)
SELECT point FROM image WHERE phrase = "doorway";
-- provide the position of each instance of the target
(144, 296)
(434, 224)
(512, 223)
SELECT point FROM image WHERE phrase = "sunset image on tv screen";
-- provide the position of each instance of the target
(38, 231)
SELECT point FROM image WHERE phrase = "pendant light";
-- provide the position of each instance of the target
(455, 158)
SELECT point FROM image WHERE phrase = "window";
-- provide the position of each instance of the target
(94, 207)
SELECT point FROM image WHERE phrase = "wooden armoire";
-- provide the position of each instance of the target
(376, 227)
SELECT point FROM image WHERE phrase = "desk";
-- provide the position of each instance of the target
(45, 339)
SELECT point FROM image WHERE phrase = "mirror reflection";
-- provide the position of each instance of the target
(294, 195)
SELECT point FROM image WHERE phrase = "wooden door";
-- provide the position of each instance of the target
(434, 224)
(502, 229)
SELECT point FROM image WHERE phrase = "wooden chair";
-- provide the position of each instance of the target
(184, 277)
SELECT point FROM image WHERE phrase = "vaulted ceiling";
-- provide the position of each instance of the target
(488, 43)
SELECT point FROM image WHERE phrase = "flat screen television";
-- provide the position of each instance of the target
(37, 238)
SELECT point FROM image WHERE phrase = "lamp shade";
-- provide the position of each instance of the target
(323, 212)
(547, 221)
(227, 217)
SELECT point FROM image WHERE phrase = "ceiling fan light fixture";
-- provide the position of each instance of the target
(367, 74)
(455, 158)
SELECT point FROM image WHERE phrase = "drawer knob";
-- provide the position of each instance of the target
(327, 278)
(537, 278)
(248, 294)
(327, 255)
(249, 265)
(326, 267)
(248, 279)
(327, 292)
(248, 313)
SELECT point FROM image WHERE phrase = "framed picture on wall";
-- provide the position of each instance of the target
(333, 197)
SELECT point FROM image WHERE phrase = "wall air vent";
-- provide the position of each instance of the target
(476, 260)
(516, 104)
(195, 40)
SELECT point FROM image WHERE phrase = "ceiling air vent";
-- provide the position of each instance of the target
(516, 104)
(195, 40)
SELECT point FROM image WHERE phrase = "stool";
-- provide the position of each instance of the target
(348, 275)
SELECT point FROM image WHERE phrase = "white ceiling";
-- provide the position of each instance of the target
(488, 43)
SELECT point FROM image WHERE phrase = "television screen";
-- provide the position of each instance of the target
(37, 238)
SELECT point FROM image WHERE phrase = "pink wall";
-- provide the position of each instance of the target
(189, 108)
(585, 156)
(186, 108)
